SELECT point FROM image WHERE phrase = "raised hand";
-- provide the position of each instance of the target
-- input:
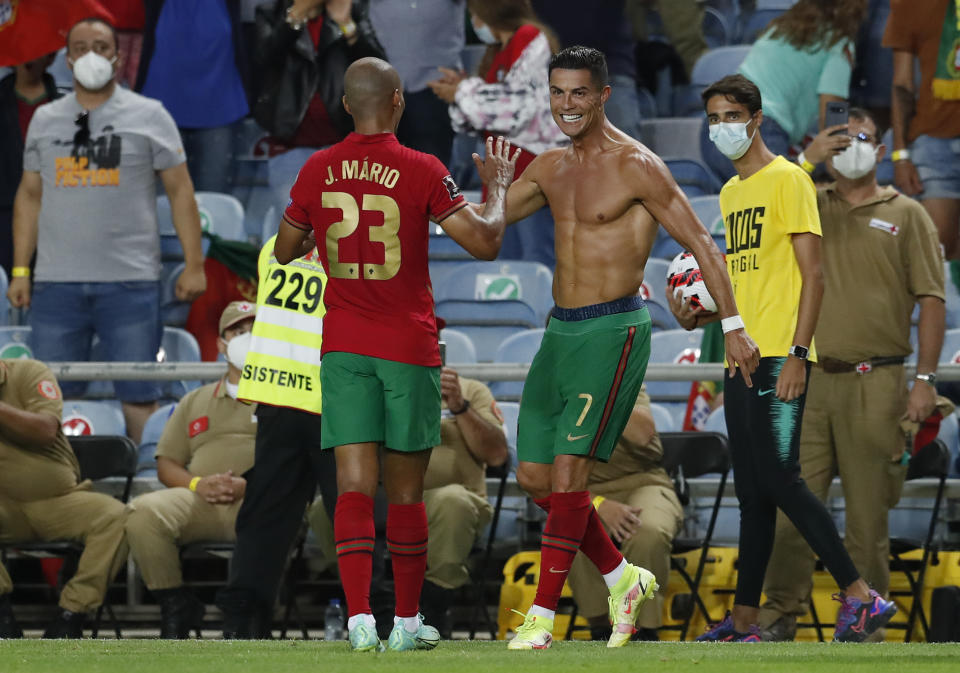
(497, 166)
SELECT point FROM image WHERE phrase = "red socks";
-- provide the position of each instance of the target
(354, 532)
(407, 542)
(566, 523)
(598, 547)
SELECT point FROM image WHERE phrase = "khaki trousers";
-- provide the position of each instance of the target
(661, 519)
(159, 522)
(94, 519)
(682, 22)
(455, 516)
(851, 428)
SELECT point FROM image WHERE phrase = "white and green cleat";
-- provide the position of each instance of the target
(424, 638)
(536, 633)
(635, 588)
(363, 638)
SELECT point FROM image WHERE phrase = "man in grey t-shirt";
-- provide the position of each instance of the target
(87, 206)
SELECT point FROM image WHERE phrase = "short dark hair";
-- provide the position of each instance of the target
(582, 58)
(860, 114)
(101, 21)
(735, 88)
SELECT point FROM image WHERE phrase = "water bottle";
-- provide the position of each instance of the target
(333, 621)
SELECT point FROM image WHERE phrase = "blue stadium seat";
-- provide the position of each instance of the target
(528, 282)
(711, 66)
(950, 353)
(173, 312)
(655, 280)
(487, 338)
(170, 248)
(708, 211)
(520, 348)
(694, 178)
(717, 31)
(662, 418)
(460, 349)
(442, 247)
(15, 342)
(647, 103)
(676, 346)
(673, 137)
(152, 429)
(92, 417)
(753, 25)
(716, 421)
(660, 315)
(176, 345)
(510, 411)
(4, 304)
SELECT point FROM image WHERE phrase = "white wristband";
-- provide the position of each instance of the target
(731, 323)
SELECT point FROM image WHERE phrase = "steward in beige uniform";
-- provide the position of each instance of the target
(205, 447)
(42, 497)
(880, 257)
(636, 502)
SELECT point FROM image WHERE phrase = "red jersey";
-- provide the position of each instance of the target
(369, 201)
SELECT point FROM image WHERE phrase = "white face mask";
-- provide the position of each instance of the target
(731, 138)
(237, 349)
(856, 161)
(483, 32)
(92, 71)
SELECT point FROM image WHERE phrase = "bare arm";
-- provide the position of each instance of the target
(481, 232)
(930, 328)
(640, 427)
(665, 201)
(26, 211)
(186, 221)
(292, 242)
(903, 106)
(28, 428)
(484, 440)
(793, 377)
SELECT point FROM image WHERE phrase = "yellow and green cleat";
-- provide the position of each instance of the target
(635, 587)
(536, 633)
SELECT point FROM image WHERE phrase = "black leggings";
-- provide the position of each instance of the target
(765, 440)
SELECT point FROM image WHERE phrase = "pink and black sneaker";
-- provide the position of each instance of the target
(857, 620)
(723, 632)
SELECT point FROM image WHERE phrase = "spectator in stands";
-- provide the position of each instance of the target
(21, 93)
(682, 23)
(94, 229)
(638, 506)
(858, 393)
(455, 493)
(192, 61)
(418, 38)
(303, 48)
(927, 119)
(42, 497)
(604, 28)
(509, 97)
(205, 447)
(802, 62)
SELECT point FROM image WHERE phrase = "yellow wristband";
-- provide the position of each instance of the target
(805, 163)
(193, 484)
(20, 272)
(900, 155)
(598, 501)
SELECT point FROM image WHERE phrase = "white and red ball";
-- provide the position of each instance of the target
(684, 275)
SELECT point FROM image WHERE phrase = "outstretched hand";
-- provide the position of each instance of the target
(497, 166)
(743, 353)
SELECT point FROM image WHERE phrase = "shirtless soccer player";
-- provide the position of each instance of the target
(369, 202)
(607, 193)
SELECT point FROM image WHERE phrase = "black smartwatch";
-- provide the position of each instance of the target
(800, 352)
(461, 410)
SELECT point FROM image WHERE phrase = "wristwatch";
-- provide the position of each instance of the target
(800, 352)
(930, 378)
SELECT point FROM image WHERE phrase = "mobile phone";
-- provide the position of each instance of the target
(443, 353)
(838, 112)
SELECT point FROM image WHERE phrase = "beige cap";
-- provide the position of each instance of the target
(235, 312)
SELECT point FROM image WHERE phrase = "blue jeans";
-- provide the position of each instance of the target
(623, 106)
(938, 163)
(125, 315)
(210, 157)
(774, 136)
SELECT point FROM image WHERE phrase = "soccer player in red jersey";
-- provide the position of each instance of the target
(369, 201)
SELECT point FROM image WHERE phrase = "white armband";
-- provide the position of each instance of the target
(731, 323)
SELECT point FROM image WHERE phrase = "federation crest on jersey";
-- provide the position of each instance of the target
(452, 189)
(49, 389)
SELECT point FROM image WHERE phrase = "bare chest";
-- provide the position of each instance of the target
(590, 195)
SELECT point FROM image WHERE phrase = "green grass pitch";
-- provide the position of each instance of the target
(293, 656)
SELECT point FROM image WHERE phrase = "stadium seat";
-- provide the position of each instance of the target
(444, 248)
(510, 411)
(459, 347)
(647, 103)
(527, 282)
(754, 24)
(178, 345)
(660, 315)
(4, 304)
(662, 418)
(676, 346)
(655, 279)
(694, 178)
(170, 248)
(711, 66)
(92, 417)
(952, 296)
(519, 348)
(173, 312)
(717, 31)
(707, 209)
(152, 429)
(15, 342)
(716, 421)
(673, 137)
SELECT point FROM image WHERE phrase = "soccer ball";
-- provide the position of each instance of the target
(684, 274)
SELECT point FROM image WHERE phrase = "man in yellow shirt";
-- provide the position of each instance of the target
(773, 258)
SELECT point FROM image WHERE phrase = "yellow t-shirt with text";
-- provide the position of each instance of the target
(760, 215)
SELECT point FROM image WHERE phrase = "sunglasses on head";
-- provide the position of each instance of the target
(82, 136)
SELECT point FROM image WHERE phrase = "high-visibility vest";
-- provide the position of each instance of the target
(282, 367)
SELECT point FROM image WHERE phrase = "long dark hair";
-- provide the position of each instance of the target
(819, 22)
(507, 15)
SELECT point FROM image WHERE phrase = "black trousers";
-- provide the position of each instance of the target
(288, 467)
(765, 445)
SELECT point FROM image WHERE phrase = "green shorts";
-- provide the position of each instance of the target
(583, 383)
(368, 399)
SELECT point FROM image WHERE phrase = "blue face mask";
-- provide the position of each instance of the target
(483, 32)
(731, 138)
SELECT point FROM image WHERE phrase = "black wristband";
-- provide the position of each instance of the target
(463, 409)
